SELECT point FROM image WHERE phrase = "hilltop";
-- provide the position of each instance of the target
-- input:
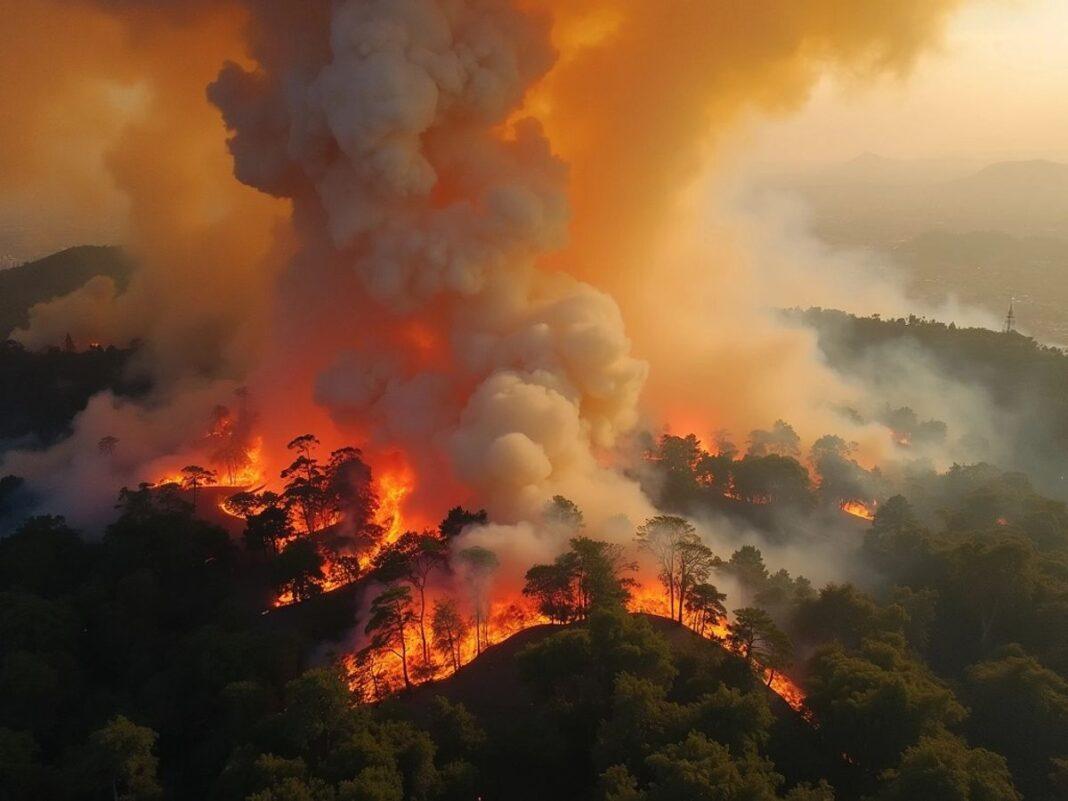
(34, 282)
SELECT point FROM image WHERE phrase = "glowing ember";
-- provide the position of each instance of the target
(859, 509)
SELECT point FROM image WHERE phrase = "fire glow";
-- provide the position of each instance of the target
(859, 509)
(374, 676)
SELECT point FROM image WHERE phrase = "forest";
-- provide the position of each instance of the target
(173, 659)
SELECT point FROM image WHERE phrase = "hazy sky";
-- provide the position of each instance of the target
(997, 89)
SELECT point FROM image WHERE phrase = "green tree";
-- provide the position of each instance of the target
(944, 768)
(265, 529)
(120, 758)
(747, 567)
(780, 440)
(875, 702)
(1019, 708)
(756, 638)
(699, 769)
(773, 479)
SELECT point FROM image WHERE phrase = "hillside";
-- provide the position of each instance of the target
(490, 686)
(1022, 383)
(38, 281)
(511, 712)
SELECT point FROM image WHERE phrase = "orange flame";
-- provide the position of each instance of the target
(859, 509)
(393, 488)
(384, 675)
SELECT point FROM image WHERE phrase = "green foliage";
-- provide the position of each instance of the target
(119, 762)
(754, 635)
(1019, 708)
(946, 769)
(875, 702)
(586, 577)
(700, 769)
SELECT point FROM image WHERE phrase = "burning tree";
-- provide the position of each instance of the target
(416, 556)
(321, 494)
(479, 564)
(230, 436)
(756, 638)
(349, 493)
(588, 575)
(705, 605)
(391, 614)
(265, 529)
(449, 630)
(298, 570)
(194, 477)
(683, 561)
(305, 489)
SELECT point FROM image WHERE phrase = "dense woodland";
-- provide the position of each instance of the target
(1024, 382)
(42, 391)
(143, 665)
(170, 658)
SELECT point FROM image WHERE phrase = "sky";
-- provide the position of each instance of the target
(995, 90)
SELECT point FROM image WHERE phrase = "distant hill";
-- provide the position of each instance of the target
(873, 201)
(38, 281)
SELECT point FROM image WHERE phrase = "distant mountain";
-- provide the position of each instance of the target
(1023, 176)
(874, 201)
(871, 169)
(25, 285)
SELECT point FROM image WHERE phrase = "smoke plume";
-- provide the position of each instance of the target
(479, 194)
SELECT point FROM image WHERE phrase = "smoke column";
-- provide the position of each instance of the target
(464, 181)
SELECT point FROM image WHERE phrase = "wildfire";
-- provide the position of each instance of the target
(251, 473)
(859, 509)
(393, 488)
(374, 676)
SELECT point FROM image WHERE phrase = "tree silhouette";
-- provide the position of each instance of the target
(194, 477)
(449, 629)
(754, 636)
(305, 489)
(299, 569)
(478, 566)
(391, 614)
(458, 519)
(665, 537)
(705, 605)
